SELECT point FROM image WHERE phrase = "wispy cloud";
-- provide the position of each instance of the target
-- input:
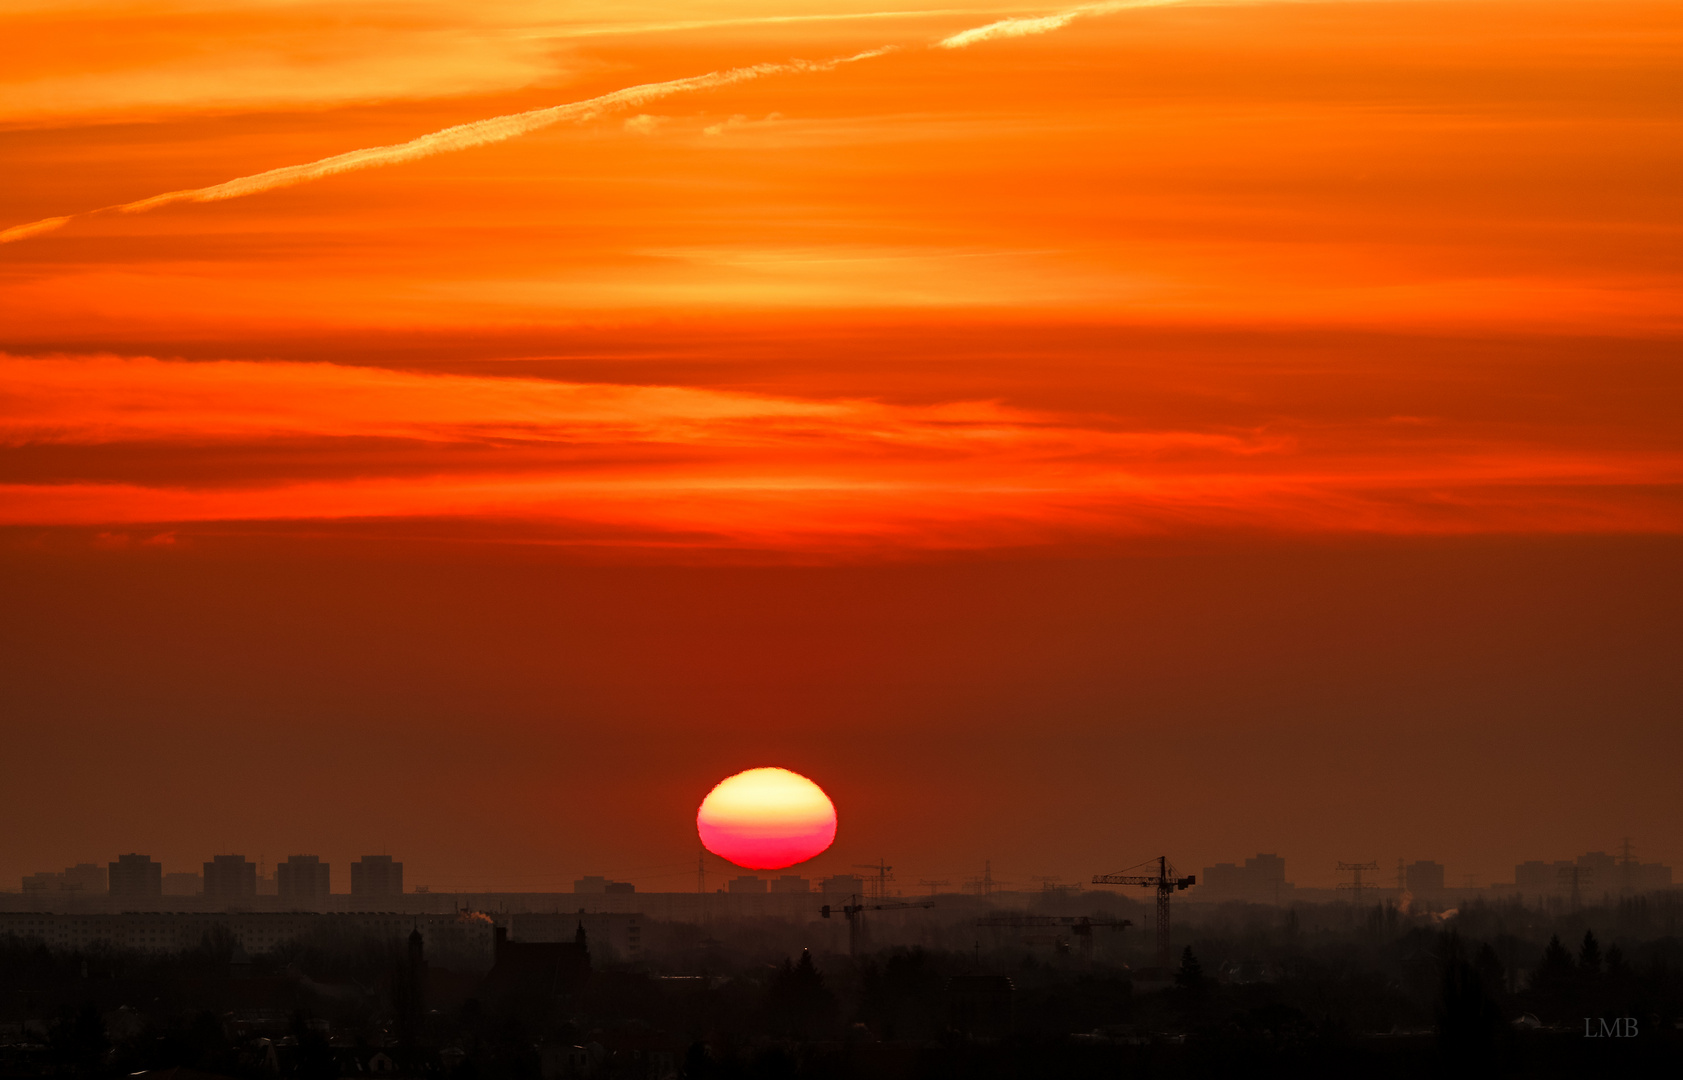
(644, 124)
(738, 121)
(108, 399)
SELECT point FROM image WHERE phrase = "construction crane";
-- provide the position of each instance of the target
(1166, 884)
(855, 910)
(877, 882)
(1081, 926)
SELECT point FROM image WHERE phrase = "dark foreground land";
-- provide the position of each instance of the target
(1492, 991)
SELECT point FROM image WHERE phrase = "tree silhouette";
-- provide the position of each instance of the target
(798, 1003)
(315, 1059)
(1468, 1017)
(1557, 963)
(1589, 956)
(1552, 982)
(78, 1039)
(1489, 968)
(904, 996)
(1189, 980)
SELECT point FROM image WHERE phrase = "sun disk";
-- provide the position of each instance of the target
(766, 819)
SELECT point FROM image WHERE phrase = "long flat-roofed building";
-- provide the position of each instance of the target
(612, 935)
(463, 938)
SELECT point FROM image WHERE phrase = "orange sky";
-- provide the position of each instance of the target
(1094, 288)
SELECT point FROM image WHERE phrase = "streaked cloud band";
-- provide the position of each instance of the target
(693, 467)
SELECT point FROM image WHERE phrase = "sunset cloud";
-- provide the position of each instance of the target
(911, 308)
(698, 467)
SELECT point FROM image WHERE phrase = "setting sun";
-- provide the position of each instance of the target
(766, 819)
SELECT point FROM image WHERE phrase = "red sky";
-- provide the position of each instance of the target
(1198, 427)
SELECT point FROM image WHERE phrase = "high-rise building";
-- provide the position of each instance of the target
(1423, 876)
(302, 878)
(844, 883)
(135, 875)
(595, 883)
(790, 883)
(376, 875)
(230, 877)
(748, 883)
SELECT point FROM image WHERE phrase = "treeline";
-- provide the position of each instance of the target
(1504, 989)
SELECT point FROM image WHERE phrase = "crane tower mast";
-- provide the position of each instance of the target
(1166, 884)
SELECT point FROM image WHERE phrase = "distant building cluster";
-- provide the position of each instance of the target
(230, 878)
(88, 878)
(744, 884)
(302, 883)
(1261, 880)
(1594, 871)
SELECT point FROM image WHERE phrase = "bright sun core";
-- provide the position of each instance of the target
(766, 819)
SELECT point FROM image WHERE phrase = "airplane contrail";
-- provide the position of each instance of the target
(460, 137)
(501, 128)
(1043, 24)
